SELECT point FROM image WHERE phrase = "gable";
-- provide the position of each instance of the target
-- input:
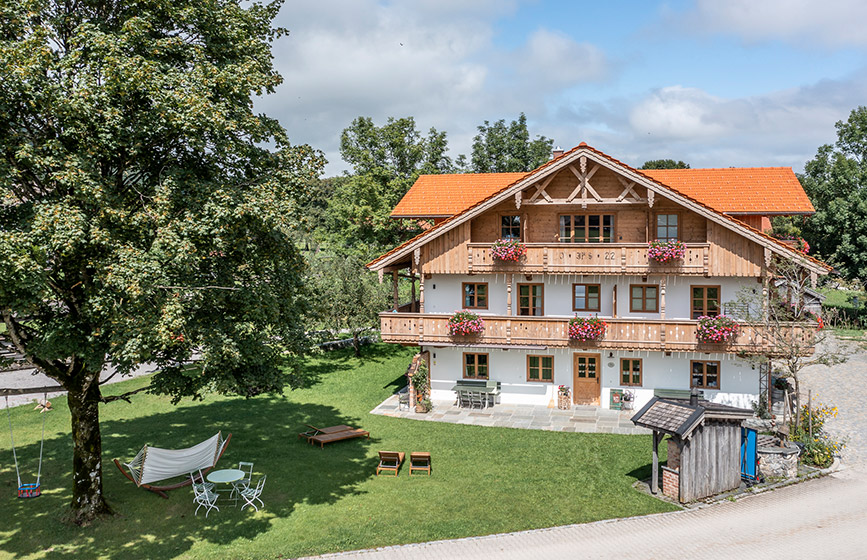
(585, 178)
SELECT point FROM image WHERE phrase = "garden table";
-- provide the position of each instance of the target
(226, 476)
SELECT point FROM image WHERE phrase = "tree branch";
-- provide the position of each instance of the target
(123, 397)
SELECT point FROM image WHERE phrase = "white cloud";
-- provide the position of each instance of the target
(434, 60)
(833, 23)
(676, 112)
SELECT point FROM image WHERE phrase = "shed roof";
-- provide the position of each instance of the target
(678, 417)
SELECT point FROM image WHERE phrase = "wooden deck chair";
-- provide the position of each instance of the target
(314, 431)
(330, 437)
(389, 461)
(419, 461)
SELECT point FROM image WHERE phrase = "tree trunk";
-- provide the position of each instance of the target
(88, 501)
(356, 344)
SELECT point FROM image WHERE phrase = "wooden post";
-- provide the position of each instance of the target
(810, 411)
(394, 284)
(421, 293)
(662, 298)
(412, 307)
(654, 476)
(614, 302)
(509, 296)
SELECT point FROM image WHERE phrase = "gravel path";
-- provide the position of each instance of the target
(31, 378)
(843, 386)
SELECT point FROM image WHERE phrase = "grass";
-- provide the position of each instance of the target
(485, 480)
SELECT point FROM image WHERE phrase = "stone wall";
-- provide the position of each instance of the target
(778, 462)
(671, 483)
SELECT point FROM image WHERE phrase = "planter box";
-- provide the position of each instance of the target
(564, 402)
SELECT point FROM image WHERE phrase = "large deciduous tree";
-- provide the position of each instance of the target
(386, 160)
(500, 148)
(141, 220)
(664, 164)
(836, 182)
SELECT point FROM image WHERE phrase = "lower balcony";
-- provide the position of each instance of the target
(669, 335)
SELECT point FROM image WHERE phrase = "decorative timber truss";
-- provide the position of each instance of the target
(584, 191)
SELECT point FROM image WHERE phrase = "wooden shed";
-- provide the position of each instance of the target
(703, 447)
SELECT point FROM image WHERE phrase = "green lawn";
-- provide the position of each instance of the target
(485, 480)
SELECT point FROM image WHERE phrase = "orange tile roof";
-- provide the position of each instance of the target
(447, 195)
(732, 190)
(473, 204)
(739, 190)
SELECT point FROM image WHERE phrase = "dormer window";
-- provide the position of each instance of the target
(666, 227)
(510, 227)
(587, 228)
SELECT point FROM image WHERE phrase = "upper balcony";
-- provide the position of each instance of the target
(627, 334)
(589, 258)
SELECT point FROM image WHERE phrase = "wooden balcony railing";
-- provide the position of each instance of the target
(628, 334)
(588, 258)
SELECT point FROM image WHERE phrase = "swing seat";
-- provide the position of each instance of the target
(30, 490)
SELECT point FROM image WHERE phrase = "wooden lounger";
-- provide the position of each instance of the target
(322, 439)
(390, 461)
(314, 431)
(419, 461)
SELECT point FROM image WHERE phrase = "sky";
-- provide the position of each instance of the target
(714, 83)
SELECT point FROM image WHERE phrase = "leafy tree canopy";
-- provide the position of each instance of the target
(140, 218)
(836, 182)
(664, 164)
(500, 148)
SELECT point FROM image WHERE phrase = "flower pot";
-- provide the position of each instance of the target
(420, 408)
(564, 402)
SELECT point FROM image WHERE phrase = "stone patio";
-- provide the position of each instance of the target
(586, 419)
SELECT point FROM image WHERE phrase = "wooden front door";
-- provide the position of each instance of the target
(585, 376)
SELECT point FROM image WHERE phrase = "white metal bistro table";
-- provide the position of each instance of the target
(226, 476)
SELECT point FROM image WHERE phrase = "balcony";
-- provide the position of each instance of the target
(667, 335)
(588, 258)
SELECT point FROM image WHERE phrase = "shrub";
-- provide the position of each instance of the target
(508, 250)
(821, 449)
(465, 323)
(666, 251)
(586, 328)
(719, 329)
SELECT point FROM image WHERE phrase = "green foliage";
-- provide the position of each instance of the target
(499, 148)
(761, 409)
(664, 164)
(836, 182)
(386, 161)
(821, 448)
(141, 218)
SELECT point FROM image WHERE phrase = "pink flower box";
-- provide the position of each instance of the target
(586, 328)
(716, 330)
(465, 323)
(508, 250)
(666, 251)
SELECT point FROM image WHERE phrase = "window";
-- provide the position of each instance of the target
(644, 299)
(666, 227)
(475, 295)
(587, 228)
(530, 299)
(705, 375)
(630, 371)
(540, 368)
(475, 366)
(585, 297)
(510, 227)
(705, 301)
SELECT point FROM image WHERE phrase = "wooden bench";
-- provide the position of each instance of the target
(322, 439)
(390, 461)
(675, 393)
(314, 431)
(419, 461)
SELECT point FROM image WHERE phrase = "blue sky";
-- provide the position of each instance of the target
(716, 84)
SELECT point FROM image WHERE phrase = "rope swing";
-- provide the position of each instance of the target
(30, 490)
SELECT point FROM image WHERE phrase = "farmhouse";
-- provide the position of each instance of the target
(538, 256)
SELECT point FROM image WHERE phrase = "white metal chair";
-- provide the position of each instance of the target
(251, 494)
(244, 483)
(204, 497)
(202, 484)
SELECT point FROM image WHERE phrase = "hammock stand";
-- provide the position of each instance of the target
(137, 465)
(30, 489)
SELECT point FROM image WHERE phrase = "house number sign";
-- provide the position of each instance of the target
(589, 256)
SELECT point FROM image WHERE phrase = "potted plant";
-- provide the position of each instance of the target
(419, 381)
(508, 250)
(720, 329)
(666, 251)
(586, 329)
(564, 397)
(465, 323)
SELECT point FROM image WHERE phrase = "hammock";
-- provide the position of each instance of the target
(153, 464)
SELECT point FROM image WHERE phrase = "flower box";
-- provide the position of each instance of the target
(716, 330)
(564, 398)
(508, 250)
(465, 323)
(666, 251)
(586, 329)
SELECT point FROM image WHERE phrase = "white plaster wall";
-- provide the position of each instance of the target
(443, 293)
(739, 383)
